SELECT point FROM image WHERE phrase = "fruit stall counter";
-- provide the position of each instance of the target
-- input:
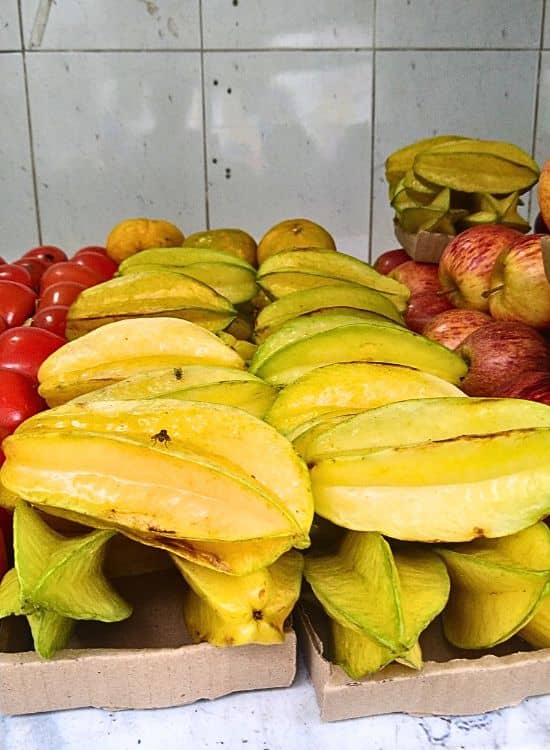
(274, 720)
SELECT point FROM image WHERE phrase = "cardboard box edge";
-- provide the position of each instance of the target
(366, 698)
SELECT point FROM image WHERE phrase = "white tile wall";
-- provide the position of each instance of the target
(289, 135)
(10, 38)
(422, 93)
(116, 24)
(119, 132)
(18, 225)
(248, 24)
(466, 23)
(116, 135)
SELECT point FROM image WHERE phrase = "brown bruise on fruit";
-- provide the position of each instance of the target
(161, 436)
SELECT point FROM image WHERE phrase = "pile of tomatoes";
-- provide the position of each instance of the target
(36, 292)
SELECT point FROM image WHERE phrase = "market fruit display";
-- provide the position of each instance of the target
(339, 443)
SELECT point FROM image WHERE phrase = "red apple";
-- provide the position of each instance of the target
(422, 308)
(467, 262)
(418, 277)
(498, 352)
(451, 327)
(533, 386)
(390, 260)
(519, 287)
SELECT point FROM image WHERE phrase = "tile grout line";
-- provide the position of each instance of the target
(204, 139)
(372, 134)
(537, 96)
(232, 50)
(29, 125)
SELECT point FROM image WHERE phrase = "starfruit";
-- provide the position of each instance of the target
(234, 610)
(351, 386)
(451, 490)
(148, 294)
(119, 350)
(497, 586)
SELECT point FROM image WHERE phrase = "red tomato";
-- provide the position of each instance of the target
(69, 271)
(19, 400)
(14, 272)
(49, 254)
(17, 302)
(23, 349)
(101, 264)
(51, 319)
(62, 293)
(35, 267)
(90, 249)
(3, 327)
(2, 261)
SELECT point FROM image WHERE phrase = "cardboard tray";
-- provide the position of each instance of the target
(452, 682)
(145, 662)
(424, 247)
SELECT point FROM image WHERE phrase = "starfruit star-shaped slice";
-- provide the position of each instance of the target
(62, 574)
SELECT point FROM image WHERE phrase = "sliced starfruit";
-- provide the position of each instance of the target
(339, 297)
(424, 420)
(349, 387)
(119, 350)
(496, 586)
(234, 610)
(360, 341)
(476, 166)
(148, 294)
(452, 490)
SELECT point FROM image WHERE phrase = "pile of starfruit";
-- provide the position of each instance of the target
(428, 503)
(448, 183)
(155, 433)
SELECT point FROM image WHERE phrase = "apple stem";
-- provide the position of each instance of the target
(487, 293)
(443, 292)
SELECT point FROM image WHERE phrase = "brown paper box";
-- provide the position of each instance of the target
(452, 682)
(424, 247)
(145, 662)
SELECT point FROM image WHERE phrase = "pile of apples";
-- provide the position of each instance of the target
(489, 300)
(35, 294)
